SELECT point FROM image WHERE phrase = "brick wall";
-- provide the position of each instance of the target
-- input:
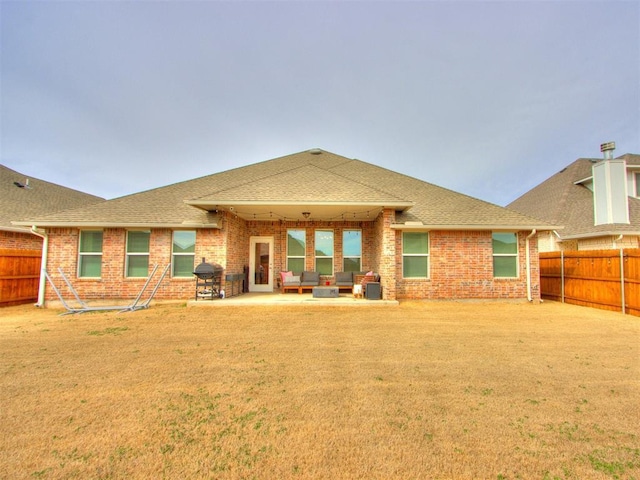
(20, 241)
(63, 252)
(461, 266)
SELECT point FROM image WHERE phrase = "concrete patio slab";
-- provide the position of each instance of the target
(249, 299)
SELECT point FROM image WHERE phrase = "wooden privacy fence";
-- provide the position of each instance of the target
(607, 279)
(19, 276)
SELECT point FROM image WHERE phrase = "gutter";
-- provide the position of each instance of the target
(43, 263)
(528, 260)
(476, 227)
(607, 233)
(102, 225)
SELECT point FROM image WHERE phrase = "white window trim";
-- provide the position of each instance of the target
(88, 254)
(516, 255)
(428, 255)
(137, 254)
(181, 254)
(303, 257)
(332, 257)
(344, 257)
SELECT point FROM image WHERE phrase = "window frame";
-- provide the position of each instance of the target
(324, 257)
(407, 256)
(515, 256)
(304, 249)
(82, 255)
(175, 254)
(129, 254)
(346, 257)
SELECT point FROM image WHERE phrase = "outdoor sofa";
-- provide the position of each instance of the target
(346, 280)
(299, 281)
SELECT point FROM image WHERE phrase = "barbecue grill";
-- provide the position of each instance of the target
(208, 280)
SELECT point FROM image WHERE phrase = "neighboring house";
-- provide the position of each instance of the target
(596, 201)
(27, 197)
(20, 248)
(312, 210)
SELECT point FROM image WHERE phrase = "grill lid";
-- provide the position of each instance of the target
(208, 269)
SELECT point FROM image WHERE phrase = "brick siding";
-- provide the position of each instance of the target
(461, 264)
(20, 241)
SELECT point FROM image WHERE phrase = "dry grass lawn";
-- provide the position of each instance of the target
(433, 390)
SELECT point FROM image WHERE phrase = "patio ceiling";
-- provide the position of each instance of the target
(295, 211)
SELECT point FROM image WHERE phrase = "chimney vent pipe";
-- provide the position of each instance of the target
(607, 149)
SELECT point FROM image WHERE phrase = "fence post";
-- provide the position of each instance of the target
(562, 275)
(624, 309)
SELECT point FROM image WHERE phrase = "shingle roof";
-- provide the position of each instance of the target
(559, 200)
(317, 178)
(19, 200)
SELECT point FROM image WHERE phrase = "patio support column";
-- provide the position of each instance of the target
(387, 259)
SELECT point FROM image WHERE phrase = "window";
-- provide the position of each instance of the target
(137, 254)
(183, 254)
(415, 254)
(324, 252)
(637, 177)
(296, 250)
(90, 254)
(505, 255)
(351, 251)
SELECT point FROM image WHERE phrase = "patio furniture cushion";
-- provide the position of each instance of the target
(291, 280)
(310, 278)
(368, 277)
(284, 275)
(344, 279)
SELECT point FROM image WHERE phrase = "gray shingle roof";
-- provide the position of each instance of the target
(305, 178)
(37, 199)
(558, 200)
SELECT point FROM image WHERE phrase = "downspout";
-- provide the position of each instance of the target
(43, 265)
(528, 260)
(616, 240)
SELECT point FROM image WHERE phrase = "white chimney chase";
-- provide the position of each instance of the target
(610, 188)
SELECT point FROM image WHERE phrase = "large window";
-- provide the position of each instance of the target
(415, 254)
(352, 251)
(505, 255)
(90, 254)
(137, 254)
(183, 253)
(296, 250)
(324, 252)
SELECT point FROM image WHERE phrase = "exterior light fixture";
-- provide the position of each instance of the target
(306, 214)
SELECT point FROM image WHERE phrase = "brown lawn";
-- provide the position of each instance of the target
(432, 390)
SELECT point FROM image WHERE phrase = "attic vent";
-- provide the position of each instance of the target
(315, 151)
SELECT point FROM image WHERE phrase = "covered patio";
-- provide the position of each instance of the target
(252, 299)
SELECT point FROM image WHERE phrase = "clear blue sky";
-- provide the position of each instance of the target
(485, 98)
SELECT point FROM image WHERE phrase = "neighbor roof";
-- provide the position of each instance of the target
(563, 199)
(27, 197)
(326, 185)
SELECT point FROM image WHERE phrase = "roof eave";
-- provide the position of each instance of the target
(608, 233)
(100, 225)
(16, 229)
(459, 227)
